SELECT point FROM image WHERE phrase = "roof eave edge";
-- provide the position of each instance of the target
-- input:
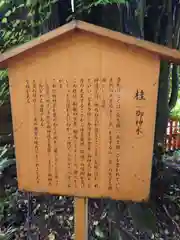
(9, 54)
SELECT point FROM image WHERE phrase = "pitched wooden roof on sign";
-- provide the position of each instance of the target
(163, 52)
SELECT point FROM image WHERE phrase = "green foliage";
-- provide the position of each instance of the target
(4, 90)
(6, 202)
(99, 233)
(8, 234)
(119, 235)
(104, 2)
(39, 11)
(143, 217)
(87, 5)
(5, 161)
(175, 113)
(41, 2)
(19, 20)
(14, 24)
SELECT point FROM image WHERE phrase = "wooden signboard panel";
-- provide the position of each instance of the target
(83, 115)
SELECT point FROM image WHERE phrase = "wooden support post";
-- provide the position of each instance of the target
(81, 218)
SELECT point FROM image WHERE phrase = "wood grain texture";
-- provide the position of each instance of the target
(81, 218)
(163, 52)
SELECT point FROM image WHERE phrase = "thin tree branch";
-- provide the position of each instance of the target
(128, 233)
(173, 221)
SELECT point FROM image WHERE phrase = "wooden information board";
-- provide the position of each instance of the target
(83, 102)
(83, 115)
